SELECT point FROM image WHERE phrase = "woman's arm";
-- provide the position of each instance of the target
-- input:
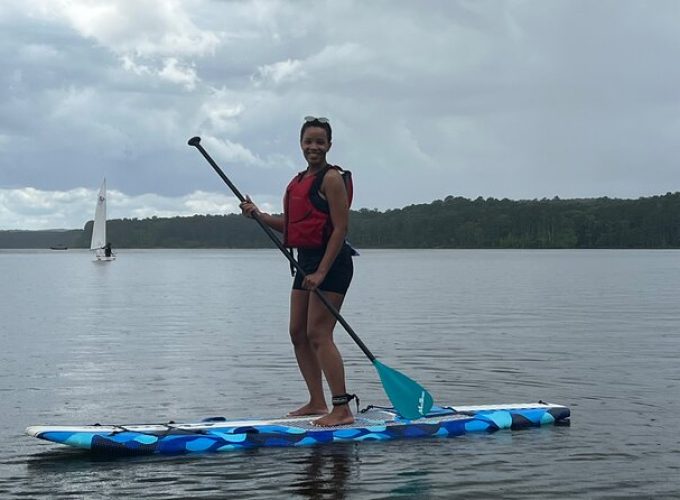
(273, 221)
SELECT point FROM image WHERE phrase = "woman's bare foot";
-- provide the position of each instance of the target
(309, 410)
(339, 415)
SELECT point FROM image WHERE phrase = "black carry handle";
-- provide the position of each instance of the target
(196, 142)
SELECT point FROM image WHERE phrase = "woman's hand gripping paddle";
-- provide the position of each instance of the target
(409, 398)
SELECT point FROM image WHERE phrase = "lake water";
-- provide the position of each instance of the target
(181, 335)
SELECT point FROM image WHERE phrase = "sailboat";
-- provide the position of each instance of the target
(99, 243)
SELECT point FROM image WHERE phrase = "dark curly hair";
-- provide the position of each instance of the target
(316, 123)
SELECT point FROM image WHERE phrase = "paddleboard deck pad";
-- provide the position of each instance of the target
(217, 434)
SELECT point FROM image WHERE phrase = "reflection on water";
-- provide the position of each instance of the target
(325, 471)
(310, 472)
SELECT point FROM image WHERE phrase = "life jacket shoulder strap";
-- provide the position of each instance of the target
(315, 196)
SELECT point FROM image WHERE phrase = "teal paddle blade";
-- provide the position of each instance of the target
(409, 398)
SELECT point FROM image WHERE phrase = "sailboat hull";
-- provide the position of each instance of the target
(100, 256)
(104, 259)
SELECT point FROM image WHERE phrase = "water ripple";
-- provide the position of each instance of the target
(176, 335)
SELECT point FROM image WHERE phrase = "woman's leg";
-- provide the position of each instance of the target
(305, 355)
(320, 324)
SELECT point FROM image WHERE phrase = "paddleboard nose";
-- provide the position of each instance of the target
(32, 430)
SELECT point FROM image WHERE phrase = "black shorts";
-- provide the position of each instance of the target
(339, 276)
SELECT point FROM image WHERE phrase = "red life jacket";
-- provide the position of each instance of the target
(307, 220)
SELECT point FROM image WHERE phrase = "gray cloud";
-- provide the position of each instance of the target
(37, 209)
(517, 99)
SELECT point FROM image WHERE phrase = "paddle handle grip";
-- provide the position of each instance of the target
(196, 142)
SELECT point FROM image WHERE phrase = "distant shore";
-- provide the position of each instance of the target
(455, 222)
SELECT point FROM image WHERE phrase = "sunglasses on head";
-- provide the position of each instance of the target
(320, 119)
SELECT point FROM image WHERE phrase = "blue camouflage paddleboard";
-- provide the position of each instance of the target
(218, 434)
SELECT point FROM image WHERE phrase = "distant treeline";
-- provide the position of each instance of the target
(455, 222)
(42, 239)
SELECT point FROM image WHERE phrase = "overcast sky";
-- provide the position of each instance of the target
(518, 99)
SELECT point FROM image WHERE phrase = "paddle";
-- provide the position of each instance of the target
(409, 398)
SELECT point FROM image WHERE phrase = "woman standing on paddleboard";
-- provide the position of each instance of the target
(315, 221)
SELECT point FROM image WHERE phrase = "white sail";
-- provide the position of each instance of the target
(99, 228)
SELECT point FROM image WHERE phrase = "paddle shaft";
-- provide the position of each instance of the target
(196, 142)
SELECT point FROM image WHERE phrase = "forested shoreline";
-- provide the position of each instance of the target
(455, 222)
